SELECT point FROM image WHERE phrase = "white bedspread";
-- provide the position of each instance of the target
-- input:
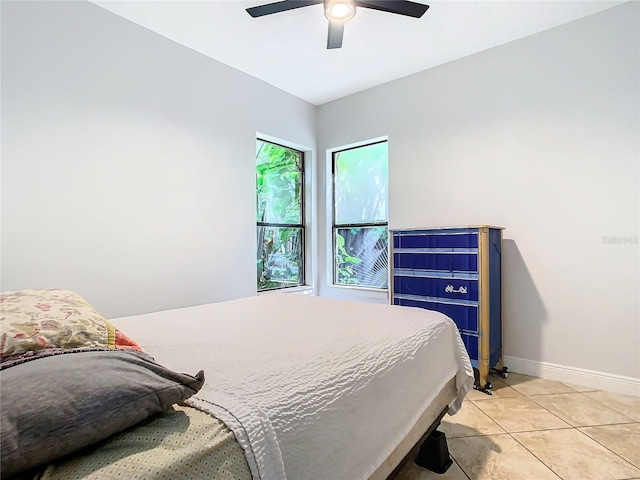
(313, 388)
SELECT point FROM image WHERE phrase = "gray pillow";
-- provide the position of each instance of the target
(54, 405)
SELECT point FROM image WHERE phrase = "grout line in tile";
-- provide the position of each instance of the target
(544, 408)
(571, 427)
(607, 424)
(539, 430)
(578, 428)
(486, 415)
(604, 446)
(478, 435)
(460, 467)
(605, 404)
(630, 420)
(607, 448)
(581, 391)
(535, 456)
(552, 413)
(544, 430)
(553, 393)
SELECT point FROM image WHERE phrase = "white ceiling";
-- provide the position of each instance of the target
(288, 49)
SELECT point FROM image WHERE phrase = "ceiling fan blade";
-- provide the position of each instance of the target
(278, 7)
(334, 38)
(410, 9)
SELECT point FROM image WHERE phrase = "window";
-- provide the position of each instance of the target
(280, 216)
(360, 216)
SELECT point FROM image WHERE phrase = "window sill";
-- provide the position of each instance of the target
(349, 292)
(302, 290)
(381, 291)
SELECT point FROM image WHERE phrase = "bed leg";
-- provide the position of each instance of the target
(434, 453)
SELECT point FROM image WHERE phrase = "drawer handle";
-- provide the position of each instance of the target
(450, 289)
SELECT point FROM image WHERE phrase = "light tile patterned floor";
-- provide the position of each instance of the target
(536, 429)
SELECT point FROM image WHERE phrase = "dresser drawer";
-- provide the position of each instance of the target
(464, 316)
(433, 240)
(445, 288)
(448, 262)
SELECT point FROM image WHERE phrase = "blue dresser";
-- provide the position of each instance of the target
(456, 271)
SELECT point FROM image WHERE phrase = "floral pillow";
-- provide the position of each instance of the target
(33, 320)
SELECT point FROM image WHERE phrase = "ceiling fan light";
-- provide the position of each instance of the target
(339, 10)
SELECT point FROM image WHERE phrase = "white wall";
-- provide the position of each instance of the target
(128, 170)
(539, 136)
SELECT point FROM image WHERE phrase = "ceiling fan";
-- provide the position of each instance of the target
(339, 11)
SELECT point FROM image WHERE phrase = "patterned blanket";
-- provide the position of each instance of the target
(180, 443)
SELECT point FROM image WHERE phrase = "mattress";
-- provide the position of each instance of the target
(185, 443)
(311, 387)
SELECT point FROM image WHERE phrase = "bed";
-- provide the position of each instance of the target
(294, 386)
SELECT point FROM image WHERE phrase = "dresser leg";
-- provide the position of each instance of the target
(502, 371)
(481, 383)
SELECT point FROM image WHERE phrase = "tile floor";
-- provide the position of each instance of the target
(537, 429)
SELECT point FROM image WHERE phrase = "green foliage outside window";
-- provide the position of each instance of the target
(279, 210)
(345, 263)
(360, 232)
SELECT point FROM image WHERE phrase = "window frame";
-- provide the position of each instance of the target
(335, 227)
(302, 225)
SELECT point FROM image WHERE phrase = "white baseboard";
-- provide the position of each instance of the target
(577, 376)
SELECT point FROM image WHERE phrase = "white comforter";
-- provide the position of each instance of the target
(313, 388)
